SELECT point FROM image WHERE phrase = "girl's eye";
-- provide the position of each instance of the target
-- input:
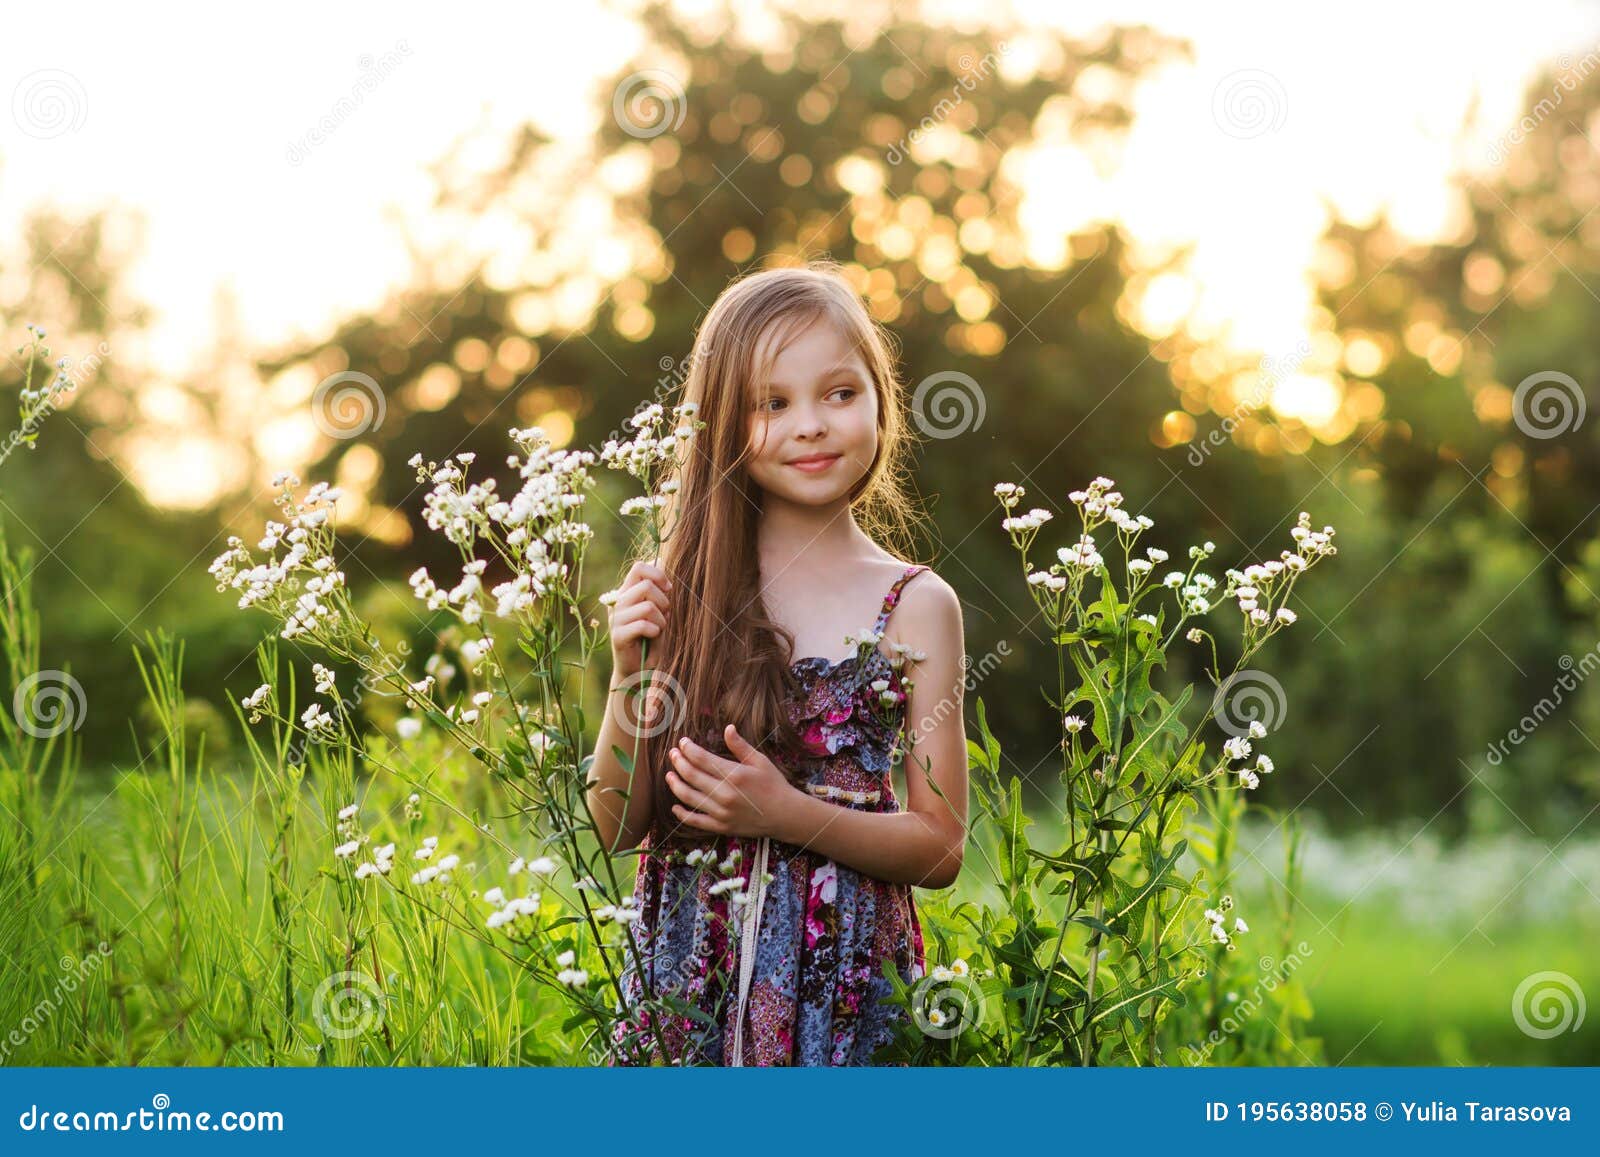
(851, 390)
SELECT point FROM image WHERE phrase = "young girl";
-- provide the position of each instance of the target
(793, 658)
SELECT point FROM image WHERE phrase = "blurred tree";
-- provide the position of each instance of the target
(1489, 495)
(886, 146)
(106, 563)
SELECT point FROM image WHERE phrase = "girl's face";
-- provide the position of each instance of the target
(814, 430)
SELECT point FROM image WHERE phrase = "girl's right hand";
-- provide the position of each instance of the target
(639, 613)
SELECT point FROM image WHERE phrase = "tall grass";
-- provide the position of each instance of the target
(439, 896)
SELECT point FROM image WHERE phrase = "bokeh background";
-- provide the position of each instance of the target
(1245, 261)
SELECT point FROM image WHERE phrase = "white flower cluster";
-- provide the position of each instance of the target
(529, 531)
(1081, 554)
(320, 726)
(1096, 505)
(1021, 526)
(254, 701)
(625, 913)
(299, 586)
(382, 861)
(1238, 747)
(345, 829)
(643, 455)
(650, 453)
(570, 976)
(431, 872)
(1259, 584)
(940, 974)
(1196, 589)
(1218, 918)
(348, 830)
(508, 911)
(35, 402)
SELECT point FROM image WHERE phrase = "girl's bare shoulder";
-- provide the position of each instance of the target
(928, 607)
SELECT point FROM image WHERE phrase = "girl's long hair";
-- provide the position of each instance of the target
(724, 659)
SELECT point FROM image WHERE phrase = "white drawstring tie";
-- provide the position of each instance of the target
(747, 945)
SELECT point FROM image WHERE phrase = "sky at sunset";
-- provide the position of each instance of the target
(206, 132)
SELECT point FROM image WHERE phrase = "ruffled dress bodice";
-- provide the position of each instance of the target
(783, 965)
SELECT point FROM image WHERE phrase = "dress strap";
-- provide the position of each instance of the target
(893, 597)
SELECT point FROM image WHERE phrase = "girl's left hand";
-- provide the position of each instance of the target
(735, 798)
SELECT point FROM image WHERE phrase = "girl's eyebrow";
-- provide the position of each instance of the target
(841, 372)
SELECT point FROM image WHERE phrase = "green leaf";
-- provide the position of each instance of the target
(1099, 926)
(1124, 999)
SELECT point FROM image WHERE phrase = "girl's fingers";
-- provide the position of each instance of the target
(626, 614)
(631, 631)
(695, 819)
(708, 761)
(643, 613)
(692, 796)
(688, 772)
(645, 591)
(698, 757)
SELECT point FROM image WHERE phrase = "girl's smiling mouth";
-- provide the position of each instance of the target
(814, 463)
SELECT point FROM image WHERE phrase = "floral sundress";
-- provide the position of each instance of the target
(780, 949)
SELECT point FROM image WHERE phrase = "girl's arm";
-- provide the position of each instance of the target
(608, 779)
(923, 844)
(638, 615)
